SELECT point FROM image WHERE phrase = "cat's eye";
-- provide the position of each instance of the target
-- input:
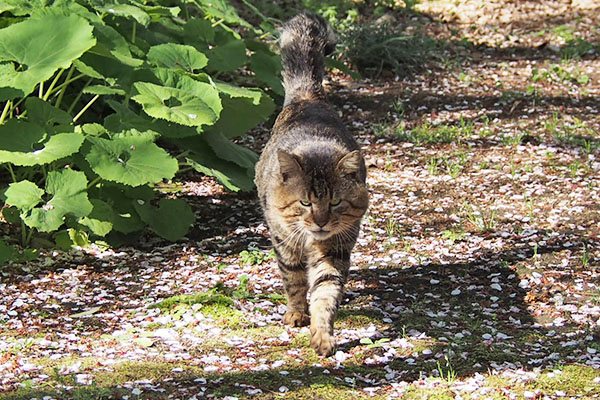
(305, 203)
(335, 202)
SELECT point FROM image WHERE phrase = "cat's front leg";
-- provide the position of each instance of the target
(293, 273)
(326, 278)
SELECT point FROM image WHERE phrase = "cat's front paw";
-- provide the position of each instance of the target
(296, 318)
(322, 341)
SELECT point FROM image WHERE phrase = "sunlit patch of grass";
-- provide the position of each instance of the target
(206, 298)
(225, 316)
(570, 380)
(426, 133)
(348, 318)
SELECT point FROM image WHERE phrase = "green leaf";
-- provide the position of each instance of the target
(228, 55)
(45, 114)
(177, 56)
(121, 199)
(143, 341)
(11, 214)
(157, 13)
(366, 341)
(69, 238)
(236, 91)
(132, 160)
(171, 220)
(126, 119)
(128, 11)
(198, 30)
(242, 113)
(196, 107)
(267, 68)
(24, 195)
(203, 159)
(230, 175)
(85, 313)
(227, 150)
(112, 44)
(40, 47)
(103, 90)
(100, 220)
(222, 9)
(24, 143)
(69, 190)
(7, 252)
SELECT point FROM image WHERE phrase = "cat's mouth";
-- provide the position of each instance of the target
(321, 234)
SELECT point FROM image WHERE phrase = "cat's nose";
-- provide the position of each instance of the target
(321, 220)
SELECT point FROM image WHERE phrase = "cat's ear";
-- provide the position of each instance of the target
(288, 165)
(350, 163)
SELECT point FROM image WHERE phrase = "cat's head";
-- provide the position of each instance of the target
(321, 193)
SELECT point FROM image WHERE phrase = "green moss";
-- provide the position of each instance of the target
(348, 318)
(190, 299)
(225, 316)
(574, 380)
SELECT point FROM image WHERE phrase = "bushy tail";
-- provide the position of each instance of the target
(305, 40)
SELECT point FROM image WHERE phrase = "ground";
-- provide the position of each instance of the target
(476, 274)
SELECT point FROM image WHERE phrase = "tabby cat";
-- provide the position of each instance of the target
(311, 185)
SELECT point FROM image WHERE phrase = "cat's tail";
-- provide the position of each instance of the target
(305, 41)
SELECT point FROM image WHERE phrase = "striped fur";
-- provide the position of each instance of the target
(311, 185)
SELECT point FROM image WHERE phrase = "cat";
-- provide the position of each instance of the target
(311, 185)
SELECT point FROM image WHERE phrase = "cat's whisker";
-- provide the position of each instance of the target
(292, 237)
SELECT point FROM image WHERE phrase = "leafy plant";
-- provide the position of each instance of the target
(374, 344)
(483, 221)
(454, 235)
(256, 257)
(100, 102)
(448, 373)
(373, 47)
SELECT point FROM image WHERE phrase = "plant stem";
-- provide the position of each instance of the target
(219, 22)
(24, 234)
(88, 105)
(41, 90)
(63, 87)
(93, 183)
(133, 32)
(12, 173)
(54, 82)
(28, 239)
(74, 103)
(182, 155)
(5, 111)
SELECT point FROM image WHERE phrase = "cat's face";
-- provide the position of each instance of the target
(321, 199)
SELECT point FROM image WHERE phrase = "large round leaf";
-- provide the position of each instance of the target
(132, 160)
(267, 69)
(228, 55)
(177, 56)
(100, 221)
(125, 118)
(24, 143)
(127, 10)
(171, 220)
(69, 190)
(24, 195)
(180, 105)
(43, 113)
(229, 173)
(40, 47)
(243, 109)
